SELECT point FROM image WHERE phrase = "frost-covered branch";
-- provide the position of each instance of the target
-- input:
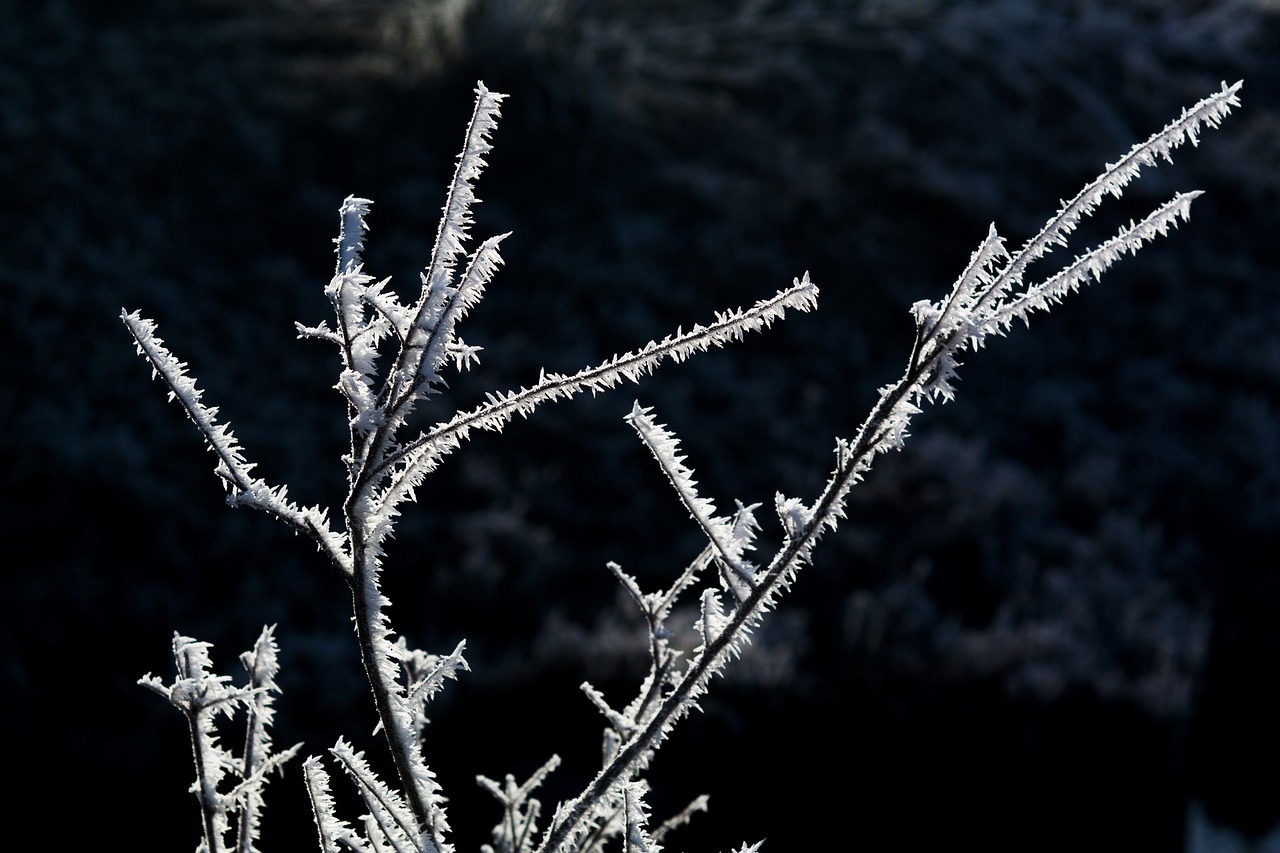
(419, 457)
(982, 301)
(730, 537)
(384, 469)
(243, 488)
(987, 299)
(336, 835)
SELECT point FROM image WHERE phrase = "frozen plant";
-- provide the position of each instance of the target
(385, 466)
(201, 696)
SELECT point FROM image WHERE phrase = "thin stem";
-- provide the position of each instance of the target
(367, 628)
(208, 794)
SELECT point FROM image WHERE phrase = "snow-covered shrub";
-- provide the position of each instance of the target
(389, 459)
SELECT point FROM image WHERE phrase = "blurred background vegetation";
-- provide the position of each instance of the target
(1051, 620)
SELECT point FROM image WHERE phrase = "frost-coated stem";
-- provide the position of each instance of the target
(366, 632)
(371, 630)
(212, 819)
(262, 665)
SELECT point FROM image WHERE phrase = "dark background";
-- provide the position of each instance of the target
(1049, 622)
